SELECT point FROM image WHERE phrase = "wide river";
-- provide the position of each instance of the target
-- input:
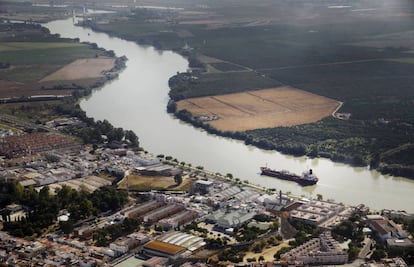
(137, 100)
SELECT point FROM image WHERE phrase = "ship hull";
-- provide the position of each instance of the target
(287, 176)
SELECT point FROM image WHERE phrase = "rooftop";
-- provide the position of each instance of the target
(164, 247)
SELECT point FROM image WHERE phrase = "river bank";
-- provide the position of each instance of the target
(369, 137)
(296, 150)
(137, 99)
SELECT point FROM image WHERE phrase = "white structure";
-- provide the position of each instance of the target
(318, 251)
(321, 213)
(13, 213)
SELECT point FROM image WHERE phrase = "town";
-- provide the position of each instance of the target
(179, 215)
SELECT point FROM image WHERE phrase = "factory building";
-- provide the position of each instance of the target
(225, 220)
(161, 213)
(178, 219)
(140, 210)
(174, 245)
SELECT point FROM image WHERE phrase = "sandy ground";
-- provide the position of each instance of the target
(268, 108)
(82, 69)
(267, 253)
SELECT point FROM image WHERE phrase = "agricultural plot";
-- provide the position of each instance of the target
(275, 107)
(82, 69)
(17, 46)
(27, 63)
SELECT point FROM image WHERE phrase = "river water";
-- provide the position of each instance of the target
(137, 100)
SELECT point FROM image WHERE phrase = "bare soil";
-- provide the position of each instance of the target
(268, 108)
(82, 69)
(145, 183)
(10, 89)
(267, 253)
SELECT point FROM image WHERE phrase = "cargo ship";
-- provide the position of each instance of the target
(307, 177)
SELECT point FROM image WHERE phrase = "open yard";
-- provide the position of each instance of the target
(267, 253)
(82, 69)
(268, 108)
(146, 183)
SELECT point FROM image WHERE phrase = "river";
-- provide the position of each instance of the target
(137, 100)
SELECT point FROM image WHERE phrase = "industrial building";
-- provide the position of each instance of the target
(225, 220)
(140, 210)
(158, 170)
(322, 214)
(162, 249)
(174, 245)
(317, 251)
(190, 242)
(161, 213)
(178, 219)
(202, 187)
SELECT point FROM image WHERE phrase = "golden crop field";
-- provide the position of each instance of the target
(267, 108)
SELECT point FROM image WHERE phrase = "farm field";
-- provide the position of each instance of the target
(25, 64)
(267, 108)
(82, 69)
(16, 46)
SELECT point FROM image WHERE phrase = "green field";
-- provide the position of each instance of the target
(28, 53)
(13, 46)
(223, 66)
(33, 61)
(55, 53)
(186, 86)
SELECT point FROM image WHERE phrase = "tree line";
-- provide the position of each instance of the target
(43, 207)
(96, 131)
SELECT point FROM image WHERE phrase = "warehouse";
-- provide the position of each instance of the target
(174, 245)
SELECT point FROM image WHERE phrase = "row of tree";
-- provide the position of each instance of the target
(43, 207)
(95, 131)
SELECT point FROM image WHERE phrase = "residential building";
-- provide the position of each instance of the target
(13, 212)
(318, 251)
(201, 186)
(385, 228)
(123, 244)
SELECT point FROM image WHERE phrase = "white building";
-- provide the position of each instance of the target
(318, 251)
(321, 213)
(13, 213)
